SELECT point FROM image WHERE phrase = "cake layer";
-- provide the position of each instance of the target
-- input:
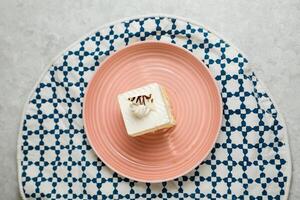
(146, 109)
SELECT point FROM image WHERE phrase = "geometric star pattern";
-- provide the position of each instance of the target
(248, 161)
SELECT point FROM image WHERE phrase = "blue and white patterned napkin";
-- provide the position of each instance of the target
(250, 160)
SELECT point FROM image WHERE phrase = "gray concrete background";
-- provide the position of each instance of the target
(32, 32)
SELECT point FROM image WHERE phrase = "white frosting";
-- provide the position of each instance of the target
(139, 119)
(139, 111)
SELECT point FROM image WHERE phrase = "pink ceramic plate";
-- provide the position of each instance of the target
(193, 94)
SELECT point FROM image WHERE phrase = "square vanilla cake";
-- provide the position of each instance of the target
(146, 109)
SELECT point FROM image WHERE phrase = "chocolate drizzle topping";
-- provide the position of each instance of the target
(141, 99)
